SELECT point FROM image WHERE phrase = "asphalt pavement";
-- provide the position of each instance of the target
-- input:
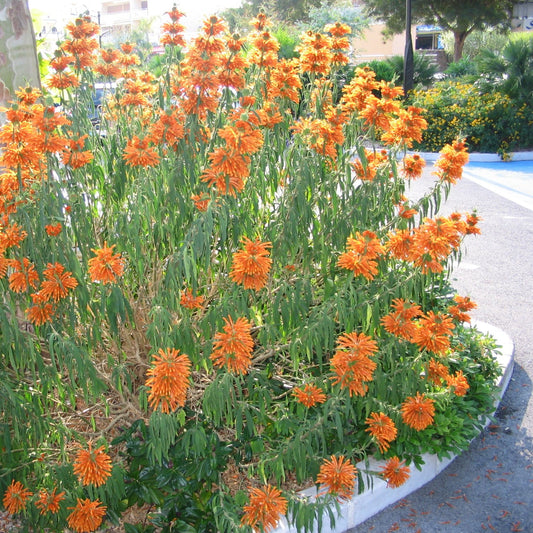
(490, 486)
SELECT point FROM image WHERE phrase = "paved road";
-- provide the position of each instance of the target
(490, 486)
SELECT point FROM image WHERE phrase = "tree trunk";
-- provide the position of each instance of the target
(18, 53)
(459, 42)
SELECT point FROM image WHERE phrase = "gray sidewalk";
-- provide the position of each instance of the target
(490, 486)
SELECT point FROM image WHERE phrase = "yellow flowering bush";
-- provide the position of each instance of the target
(216, 291)
(490, 122)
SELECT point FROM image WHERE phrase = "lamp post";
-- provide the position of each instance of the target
(408, 59)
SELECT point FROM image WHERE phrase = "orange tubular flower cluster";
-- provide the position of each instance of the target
(83, 44)
(15, 497)
(362, 252)
(75, 155)
(351, 363)
(109, 67)
(458, 383)
(233, 348)
(434, 241)
(265, 46)
(338, 476)
(395, 472)
(413, 165)
(382, 428)
(24, 275)
(285, 81)
(366, 169)
(49, 502)
(310, 395)
(139, 153)
(168, 380)
(459, 311)
(233, 64)
(451, 161)
(432, 332)
(58, 282)
(418, 411)
(356, 93)
(106, 266)
(436, 371)
(406, 128)
(266, 507)
(189, 301)
(251, 266)
(316, 54)
(172, 32)
(400, 321)
(92, 467)
(340, 43)
(86, 516)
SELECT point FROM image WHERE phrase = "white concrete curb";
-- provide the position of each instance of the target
(379, 496)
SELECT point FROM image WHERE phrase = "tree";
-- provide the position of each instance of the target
(461, 17)
(19, 65)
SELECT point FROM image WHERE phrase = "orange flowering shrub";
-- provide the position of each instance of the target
(273, 301)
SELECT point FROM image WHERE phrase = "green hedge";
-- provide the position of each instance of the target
(489, 122)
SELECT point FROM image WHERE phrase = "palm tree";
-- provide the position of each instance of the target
(511, 71)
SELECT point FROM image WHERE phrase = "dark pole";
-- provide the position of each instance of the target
(408, 60)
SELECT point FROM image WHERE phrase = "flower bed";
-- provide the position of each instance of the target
(221, 295)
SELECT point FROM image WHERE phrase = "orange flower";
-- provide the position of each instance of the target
(382, 428)
(106, 266)
(432, 332)
(200, 201)
(48, 502)
(252, 265)
(458, 383)
(57, 283)
(234, 347)
(367, 168)
(265, 508)
(459, 311)
(361, 255)
(92, 466)
(138, 153)
(285, 81)
(395, 473)
(413, 165)
(169, 380)
(351, 364)
(11, 236)
(53, 230)
(437, 371)
(15, 497)
(338, 476)
(399, 322)
(406, 128)
(451, 161)
(418, 411)
(399, 244)
(24, 276)
(310, 395)
(86, 516)
(315, 53)
(191, 302)
(472, 221)
(75, 155)
(41, 311)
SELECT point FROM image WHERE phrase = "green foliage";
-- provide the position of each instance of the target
(509, 71)
(478, 40)
(491, 122)
(424, 69)
(288, 41)
(98, 366)
(344, 12)
(383, 69)
(464, 68)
